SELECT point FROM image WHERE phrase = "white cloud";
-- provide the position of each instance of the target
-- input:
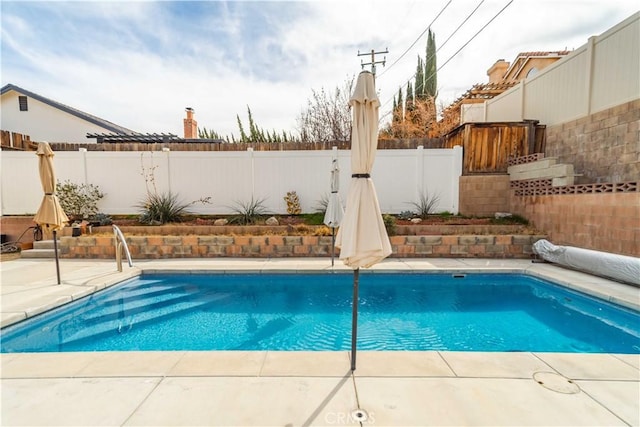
(139, 64)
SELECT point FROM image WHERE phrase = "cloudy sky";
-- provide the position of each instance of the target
(139, 64)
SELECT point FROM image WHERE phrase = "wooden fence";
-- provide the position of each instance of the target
(389, 144)
(488, 146)
(16, 141)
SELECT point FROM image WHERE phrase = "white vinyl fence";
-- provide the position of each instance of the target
(603, 73)
(232, 177)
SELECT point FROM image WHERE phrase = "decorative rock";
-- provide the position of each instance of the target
(416, 220)
(221, 221)
(499, 215)
(272, 221)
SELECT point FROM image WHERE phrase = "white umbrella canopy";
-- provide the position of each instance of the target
(50, 214)
(333, 215)
(362, 237)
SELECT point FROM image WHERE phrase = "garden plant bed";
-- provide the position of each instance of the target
(436, 237)
(306, 230)
(303, 225)
(308, 226)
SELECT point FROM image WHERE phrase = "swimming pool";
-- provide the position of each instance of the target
(416, 311)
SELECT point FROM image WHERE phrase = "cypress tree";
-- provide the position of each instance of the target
(431, 68)
(243, 136)
(419, 87)
(399, 110)
(409, 98)
(254, 134)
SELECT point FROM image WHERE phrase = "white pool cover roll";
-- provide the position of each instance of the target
(619, 267)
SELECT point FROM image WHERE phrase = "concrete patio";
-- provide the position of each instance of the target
(265, 388)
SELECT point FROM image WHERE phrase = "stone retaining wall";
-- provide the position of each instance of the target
(484, 195)
(605, 222)
(157, 247)
(603, 146)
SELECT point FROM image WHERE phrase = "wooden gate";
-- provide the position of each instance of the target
(488, 146)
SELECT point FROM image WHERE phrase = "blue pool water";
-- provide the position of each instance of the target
(478, 312)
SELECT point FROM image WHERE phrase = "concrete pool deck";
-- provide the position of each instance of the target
(304, 388)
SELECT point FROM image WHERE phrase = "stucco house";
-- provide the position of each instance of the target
(503, 75)
(44, 119)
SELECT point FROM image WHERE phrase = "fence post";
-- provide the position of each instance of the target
(253, 172)
(456, 174)
(419, 171)
(84, 164)
(588, 78)
(522, 99)
(167, 152)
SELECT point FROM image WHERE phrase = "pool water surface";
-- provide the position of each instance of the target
(397, 311)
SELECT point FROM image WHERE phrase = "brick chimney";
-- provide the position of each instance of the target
(497, 71)
(190, 125)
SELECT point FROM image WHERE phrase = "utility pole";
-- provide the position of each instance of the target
(373, 62)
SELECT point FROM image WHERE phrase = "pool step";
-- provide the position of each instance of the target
(116, 327)
(41, 249)
(147, 309)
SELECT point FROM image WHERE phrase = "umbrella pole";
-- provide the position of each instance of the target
(333, 244)
(55, 250)
(354, 319)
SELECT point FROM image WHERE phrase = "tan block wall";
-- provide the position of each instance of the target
(155, 247)
(484, 195)
(608, 222)
(603, 147)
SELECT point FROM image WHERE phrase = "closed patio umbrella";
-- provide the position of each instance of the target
(362, 237)
(50, 215)
(334, 213)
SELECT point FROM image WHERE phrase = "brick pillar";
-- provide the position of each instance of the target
(190, 125)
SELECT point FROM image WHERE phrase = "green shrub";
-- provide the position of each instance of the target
(78, 201)
(101, 219)
(389, 224)
(406, 215)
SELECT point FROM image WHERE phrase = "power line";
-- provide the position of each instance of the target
(474, 36)
(459, 26)
(416, 40)
(452, 56)
(448, 38)
(430, 76)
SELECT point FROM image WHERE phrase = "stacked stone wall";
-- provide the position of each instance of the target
(159, 247)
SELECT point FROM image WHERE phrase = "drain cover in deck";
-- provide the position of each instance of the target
(359, 415)
(556, 382)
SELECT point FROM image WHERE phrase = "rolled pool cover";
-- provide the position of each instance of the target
(619, 267)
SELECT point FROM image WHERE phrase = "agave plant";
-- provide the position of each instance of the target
(160, 208)
(250, 212)
(425, 205)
